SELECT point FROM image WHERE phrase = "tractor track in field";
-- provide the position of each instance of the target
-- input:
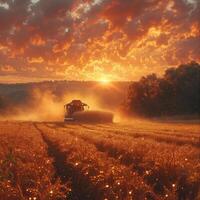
(128, 161)
(155, 132)
(155, 137)
(82, 187)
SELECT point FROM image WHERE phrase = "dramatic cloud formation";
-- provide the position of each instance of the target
(95, 39)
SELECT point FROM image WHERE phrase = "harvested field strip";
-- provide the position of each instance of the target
(170, 133)
(156, 137)
(191, 131)
(167, 173)
(118, 137)
(67, 172)
(99, 158)
(104, 172)
(25, 168)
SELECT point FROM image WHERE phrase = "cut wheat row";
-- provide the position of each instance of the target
(26, 171)
(147, 158)
(94, 169)
(187, 131)
(193, 141)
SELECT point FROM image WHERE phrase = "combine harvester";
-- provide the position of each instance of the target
(78, 111)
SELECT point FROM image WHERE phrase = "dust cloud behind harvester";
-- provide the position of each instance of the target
(44, 101)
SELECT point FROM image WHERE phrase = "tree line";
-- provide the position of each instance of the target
(176, 93)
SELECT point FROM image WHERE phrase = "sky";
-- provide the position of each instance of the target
(114, 40)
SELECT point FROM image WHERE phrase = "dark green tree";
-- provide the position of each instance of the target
(177, 92)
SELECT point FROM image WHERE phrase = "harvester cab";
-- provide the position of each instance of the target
(77, 111)
(72, 107)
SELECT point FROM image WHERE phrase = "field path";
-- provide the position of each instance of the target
(124, 143)
(67, 172)
(142, 160)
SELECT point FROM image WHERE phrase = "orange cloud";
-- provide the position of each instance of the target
(36, 60)
(84, 40)
(37, 41)
(8, 68)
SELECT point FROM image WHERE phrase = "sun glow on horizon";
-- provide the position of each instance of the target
(104, 81)
(97, 40)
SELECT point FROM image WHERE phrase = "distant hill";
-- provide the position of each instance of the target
(28, 95)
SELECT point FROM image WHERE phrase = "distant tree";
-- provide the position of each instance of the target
(178, 92)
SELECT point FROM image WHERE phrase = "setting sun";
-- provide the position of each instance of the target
(104, 81)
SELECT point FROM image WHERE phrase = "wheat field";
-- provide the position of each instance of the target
(133, 161)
